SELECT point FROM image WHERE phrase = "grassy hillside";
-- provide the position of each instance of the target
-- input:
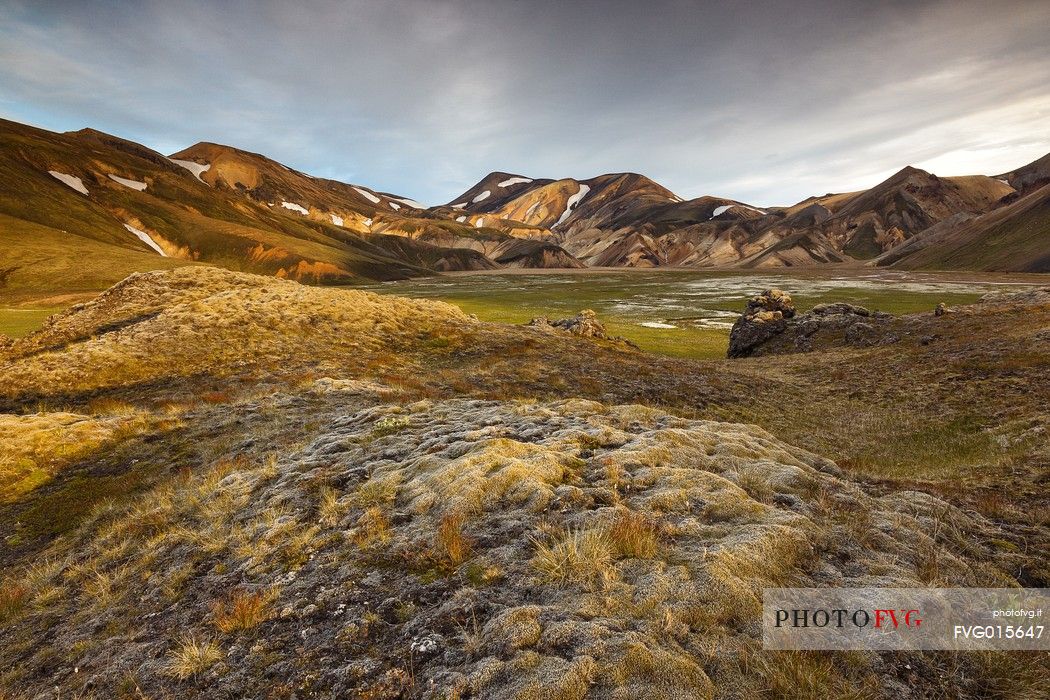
(41, 262)
(62, 241)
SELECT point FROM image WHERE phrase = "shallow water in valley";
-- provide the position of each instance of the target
(672, 300)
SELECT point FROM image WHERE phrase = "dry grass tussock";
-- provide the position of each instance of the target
(191, 657)
(450, 539)
(576, 556)
(243, 611)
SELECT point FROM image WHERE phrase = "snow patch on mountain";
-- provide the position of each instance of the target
(295, 207)
(70, 180)
(726, 207)
(482, 197)
(394, 206)
(513, 181)
(196, 168)
(368, 222)
(571, 204)
(459, 206)
(409, 202)
(337, 220)
(461, 219)
(144, 237)
(479, 223)
(133, 184)
(367, 195)
(656, 324)
(531, 209)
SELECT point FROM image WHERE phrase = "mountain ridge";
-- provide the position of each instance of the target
(127, 207)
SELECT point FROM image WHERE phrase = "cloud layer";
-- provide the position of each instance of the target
(763, 102)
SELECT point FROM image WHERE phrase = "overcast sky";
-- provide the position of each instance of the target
(762, 102)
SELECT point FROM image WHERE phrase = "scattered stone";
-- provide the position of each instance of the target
(426, 646)
(585, 324)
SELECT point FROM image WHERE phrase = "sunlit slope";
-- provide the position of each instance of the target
(100, 189)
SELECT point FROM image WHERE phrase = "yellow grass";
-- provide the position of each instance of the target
(191, 657)
(243, 611)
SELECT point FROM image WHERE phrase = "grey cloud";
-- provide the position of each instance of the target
(765, 102)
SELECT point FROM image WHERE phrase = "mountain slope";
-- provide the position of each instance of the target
(127, 207)
(1012, 238)
(1031, 177)
(271, 183)
(908, 202)
(616, 219)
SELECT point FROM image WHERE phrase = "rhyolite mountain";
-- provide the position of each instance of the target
(1014, 237)
(80, 210)
(626, 219)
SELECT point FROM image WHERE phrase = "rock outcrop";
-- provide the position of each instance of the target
(770, 325)
(584, 324)
(765, 317)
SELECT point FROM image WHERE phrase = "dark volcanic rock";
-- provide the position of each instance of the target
(765, 317)
(770, 326)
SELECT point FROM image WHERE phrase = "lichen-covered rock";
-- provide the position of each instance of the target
(764, 317)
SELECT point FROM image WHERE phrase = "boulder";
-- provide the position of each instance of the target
(764, 317)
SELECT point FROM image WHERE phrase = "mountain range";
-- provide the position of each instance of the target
(80, 210)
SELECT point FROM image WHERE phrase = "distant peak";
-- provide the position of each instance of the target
(908, 171)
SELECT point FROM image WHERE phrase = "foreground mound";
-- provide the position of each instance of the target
(472, 549)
